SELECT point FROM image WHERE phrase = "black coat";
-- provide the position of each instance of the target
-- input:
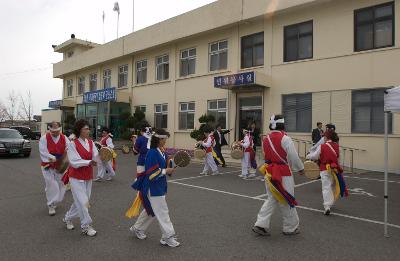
(316, 135)
(255, 134)
(223, 141)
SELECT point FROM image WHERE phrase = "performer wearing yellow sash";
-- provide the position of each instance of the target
(281, 159)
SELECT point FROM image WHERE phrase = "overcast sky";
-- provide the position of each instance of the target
(28, 28)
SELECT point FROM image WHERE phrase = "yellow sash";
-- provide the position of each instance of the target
(336, 191)
(134, 210)
(274, 191)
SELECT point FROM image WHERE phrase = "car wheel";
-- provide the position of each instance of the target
(27, 155)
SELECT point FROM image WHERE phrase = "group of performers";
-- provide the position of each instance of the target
(82, 155)
(153, 165)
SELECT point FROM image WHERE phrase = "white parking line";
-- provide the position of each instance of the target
(372, 179)
(202, 176)
(305, 183)
(300, 207)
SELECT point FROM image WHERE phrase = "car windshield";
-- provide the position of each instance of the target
(10, 134)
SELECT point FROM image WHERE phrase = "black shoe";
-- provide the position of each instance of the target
(224, 166)
(295, 232)
(260, 231)
(327, 212)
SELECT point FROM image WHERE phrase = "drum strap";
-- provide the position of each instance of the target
(274, 150)
(334, 152)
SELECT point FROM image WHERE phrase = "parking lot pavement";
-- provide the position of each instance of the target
(212, 215)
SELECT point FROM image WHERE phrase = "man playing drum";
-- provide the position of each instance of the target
(106, 166)
(248, 156)
(52, 147)
(140, 147)
(281, 159)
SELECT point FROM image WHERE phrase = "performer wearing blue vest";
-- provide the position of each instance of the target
(152, 187)
(140, 148)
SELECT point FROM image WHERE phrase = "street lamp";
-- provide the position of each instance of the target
(116, 8)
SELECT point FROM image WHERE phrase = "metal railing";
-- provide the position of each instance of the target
(306, 144)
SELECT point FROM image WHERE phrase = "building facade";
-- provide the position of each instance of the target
(243, 60)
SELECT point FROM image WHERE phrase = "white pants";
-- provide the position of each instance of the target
(55, 188)
(289, 215)
(104, 166)
(81, 190)
(327, 183)
(160, 209)
(209, 163)
(246, 163)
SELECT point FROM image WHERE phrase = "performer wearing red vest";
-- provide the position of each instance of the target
(247, 144)
(208, 144)
(330, 170)
(82, 156)
(281, 160)
(106, 166)
(52, 146)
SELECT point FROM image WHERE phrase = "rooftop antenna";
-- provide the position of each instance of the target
(104, 36)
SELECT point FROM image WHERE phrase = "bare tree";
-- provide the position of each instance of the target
(3, 112)
(26, 107)
(11, 108)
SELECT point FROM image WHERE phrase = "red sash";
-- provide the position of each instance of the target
(329, 155)
(209, 149)
(86, 172)
(56, 149)
(276, 166)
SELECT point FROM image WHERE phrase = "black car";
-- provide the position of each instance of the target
(12, 143)
(26, 132)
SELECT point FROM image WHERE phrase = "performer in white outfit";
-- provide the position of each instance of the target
(281, 159)
(52, 146)
(105, 167)
(82, 156)
(247, 144)
(152, 187)
(208, 144)
(327, 154)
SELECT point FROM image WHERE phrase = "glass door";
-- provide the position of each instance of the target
(250, 110)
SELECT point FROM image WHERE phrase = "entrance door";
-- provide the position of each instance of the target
(250, 110)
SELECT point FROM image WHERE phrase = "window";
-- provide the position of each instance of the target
(217, 108)
(122, 76)
(298, 42)
(253, 50)
(188, 62)
(141, 72)
(161, 116)
(374, 27)
(70, 87)
(218, 53)
(81, 85)
(93, 82)
(367, 111)
(186, 115)
(142, 108)
(297, 110)
(162, 71)
(107, 79)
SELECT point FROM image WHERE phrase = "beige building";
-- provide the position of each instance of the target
(243, 60)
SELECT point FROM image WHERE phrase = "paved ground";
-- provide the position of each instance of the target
(212, 215)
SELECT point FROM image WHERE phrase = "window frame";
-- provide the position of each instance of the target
(92, 78)
(187, 112)
(188, 58)
(370, 105)
(285, 39)
(218, 52)
(219, 110)
(124, 73)
(242, 39)
(296, 109)
(161, 113)
(141, 108)
(373, 22)
(106, 77)
(81, 84)
(163, 63)
(70, 87)
(141, 69)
